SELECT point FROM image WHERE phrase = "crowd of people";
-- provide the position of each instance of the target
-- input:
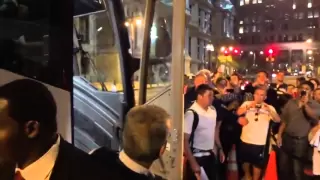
(220, 114)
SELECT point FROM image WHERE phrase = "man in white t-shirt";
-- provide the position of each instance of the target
(254, 132)
(199, 142)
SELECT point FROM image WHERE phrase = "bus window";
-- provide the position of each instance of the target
(101, 66)
(28, 49)
(102, 92)
(159, 65)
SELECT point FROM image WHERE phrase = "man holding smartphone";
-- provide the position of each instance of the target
(297, 118)
(254, 132)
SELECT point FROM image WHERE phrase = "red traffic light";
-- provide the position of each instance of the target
(236, 51)
(226, 53)
(270, 51)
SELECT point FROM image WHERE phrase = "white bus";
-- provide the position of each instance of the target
(32, 45)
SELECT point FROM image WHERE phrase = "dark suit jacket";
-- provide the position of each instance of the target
(73, 164)
(110, 160)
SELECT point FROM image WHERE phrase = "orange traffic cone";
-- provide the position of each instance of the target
(232, 173)
(271, 171)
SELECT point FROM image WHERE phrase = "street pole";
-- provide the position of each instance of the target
(254, 59)
(209, 60)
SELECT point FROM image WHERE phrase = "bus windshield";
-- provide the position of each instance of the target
(94, 33)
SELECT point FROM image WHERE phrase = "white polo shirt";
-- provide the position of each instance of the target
(204, 134)
(256, 131)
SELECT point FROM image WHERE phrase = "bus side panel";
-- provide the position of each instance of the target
(62, 98)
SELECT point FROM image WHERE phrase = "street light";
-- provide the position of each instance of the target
(309, 40)
(222, 49)
(261, 52)
(309, 52)
(209, 47)
(127, 24)
(230, 48)
(138, 22)
(254, 57)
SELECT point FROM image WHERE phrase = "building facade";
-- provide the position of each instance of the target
(289, 29)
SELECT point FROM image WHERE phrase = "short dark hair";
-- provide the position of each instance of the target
(30, 100)
(301, 79)
(202, 89)
(308, 83)
(263, 71)
(145, 132)
(259, 87)
(221, 79)
(315, 80)
(236, 74)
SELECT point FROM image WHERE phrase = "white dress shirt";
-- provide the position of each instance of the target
(41, 169)
(129, 163)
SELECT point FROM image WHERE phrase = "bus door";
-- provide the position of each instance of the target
(157, 35)
(33, 45)
(102, 86)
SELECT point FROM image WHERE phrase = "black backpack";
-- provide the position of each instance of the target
(194, 127)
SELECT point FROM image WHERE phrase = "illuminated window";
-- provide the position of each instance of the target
(301, 15)
(247, 1)
(241, 22)
(294, 6)
(310, 15)
(241, 30)
(254, 28)
(316, 14)
(259, 1)
(241, 2)
(254, 1)
(309, 4)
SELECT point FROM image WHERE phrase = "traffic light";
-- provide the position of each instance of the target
(226, 53)
(236, 52)
(270, 55)
(270, 52)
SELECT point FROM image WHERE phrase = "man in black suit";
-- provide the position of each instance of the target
(144, 140)
(30, 141)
